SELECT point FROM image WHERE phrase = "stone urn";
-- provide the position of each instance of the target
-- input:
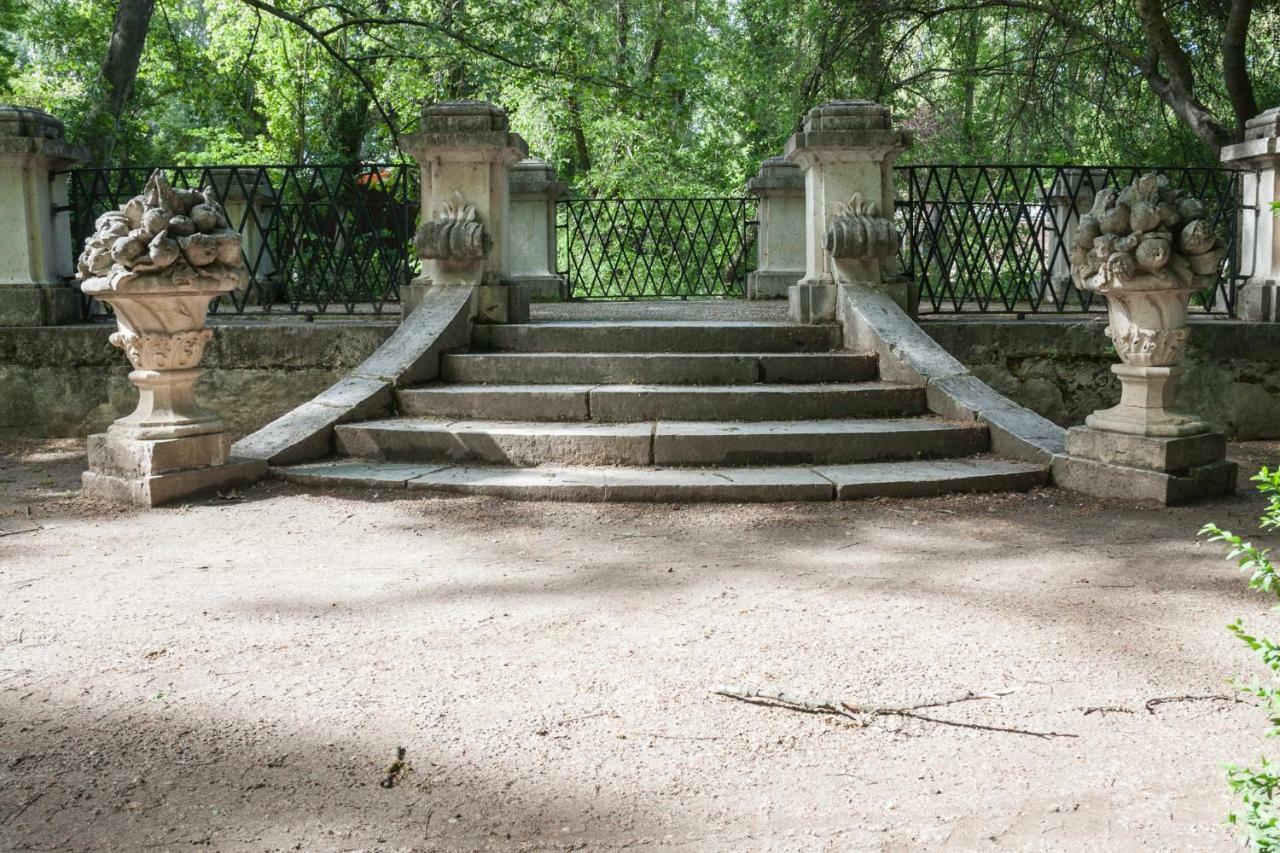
(158, 262)
(1147, 249)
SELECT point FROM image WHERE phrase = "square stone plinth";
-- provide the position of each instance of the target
(1136, 484)
(1171, 455)
(152, 472)
(543, 288)
(164, 488)
(133, 457)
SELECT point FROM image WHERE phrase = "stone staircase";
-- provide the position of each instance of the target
(665, 410)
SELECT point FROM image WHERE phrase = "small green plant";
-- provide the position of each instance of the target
(1258, 787)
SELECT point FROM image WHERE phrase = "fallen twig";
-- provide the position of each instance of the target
(1107, 709)
(1152, 704)
(862, 714)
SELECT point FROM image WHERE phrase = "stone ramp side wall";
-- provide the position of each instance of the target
(1061, 368)
(441, 321)
(874, 322)
(69, 381)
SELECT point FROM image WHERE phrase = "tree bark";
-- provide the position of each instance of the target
(1235, 68)
(120, 67)
(1176, 85)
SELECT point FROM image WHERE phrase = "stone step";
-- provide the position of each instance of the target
(662, 443)
(632, 368)
(900, 479)
(650, 336)
(629, 403)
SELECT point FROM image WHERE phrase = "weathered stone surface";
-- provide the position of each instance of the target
(812, 303)
(166, 488)
(38, 305)
(1232, 368)
(131, 458)
(505, 443)
(574, 368)
(502, 303)
(915, 479)
(1175, 454)
(874, 322)
(412, 354)
(798, 442)
(355, 473)
(497, 402)
(647, 336)
(1138, 484)
(753, 403)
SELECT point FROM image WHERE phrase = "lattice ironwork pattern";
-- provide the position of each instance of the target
(645, 248)
(316, 239)
(994, 239)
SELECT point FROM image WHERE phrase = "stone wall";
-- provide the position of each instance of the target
(60, 381)
(1061, 368)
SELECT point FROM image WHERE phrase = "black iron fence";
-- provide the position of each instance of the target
(975, 239)
(316, 239)
(994, 239)
(641, 248)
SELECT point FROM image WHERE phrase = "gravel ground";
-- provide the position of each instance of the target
(238, 673)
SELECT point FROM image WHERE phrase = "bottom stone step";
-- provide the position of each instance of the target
(659, 485)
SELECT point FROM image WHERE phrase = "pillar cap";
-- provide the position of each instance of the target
(848, 115)
(1265, 124)
(27, 130)
(777, 176)
(466, 116)
(535, 176)
(464, 130)
(848, 130)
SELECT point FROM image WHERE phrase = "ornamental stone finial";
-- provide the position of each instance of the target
(1147, 248)
(158, 262)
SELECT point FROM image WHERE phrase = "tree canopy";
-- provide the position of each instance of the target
(644, 96)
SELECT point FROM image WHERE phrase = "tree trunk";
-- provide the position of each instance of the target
(120, 67)
(1235, 68)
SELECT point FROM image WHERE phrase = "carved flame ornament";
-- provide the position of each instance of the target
(453, 233)
(858, 232)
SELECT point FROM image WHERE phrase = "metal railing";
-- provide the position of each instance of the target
(316, 239)
(995, 239)
(645, 248)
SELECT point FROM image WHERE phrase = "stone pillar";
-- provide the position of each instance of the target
(1259, 229)
(780, 237)
(466, 151)
(36, 254)
(847, 150)
(534, 190)
(1068, 199)
(249, 202)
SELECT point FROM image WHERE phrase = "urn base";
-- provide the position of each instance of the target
(1163, 470)
(146, 472)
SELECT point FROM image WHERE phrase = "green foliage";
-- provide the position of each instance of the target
(1257, 787)
(624, 97)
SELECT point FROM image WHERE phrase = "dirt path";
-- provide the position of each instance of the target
(238, 673)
